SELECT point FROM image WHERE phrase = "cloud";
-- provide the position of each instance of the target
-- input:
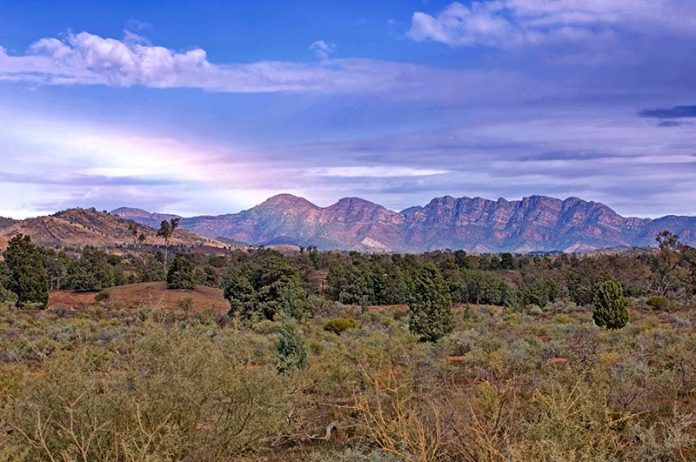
(321, 49)
(676, 112)
(514, 23)
(373, 172)
(88, 59)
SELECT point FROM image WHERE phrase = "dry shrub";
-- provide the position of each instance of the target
(172, 396)
(400, 421)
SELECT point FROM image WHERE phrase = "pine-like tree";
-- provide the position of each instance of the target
(430, 305)
(292, 353)
(610, 305)
(28, 277)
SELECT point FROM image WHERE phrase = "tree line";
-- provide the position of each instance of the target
(263, 283)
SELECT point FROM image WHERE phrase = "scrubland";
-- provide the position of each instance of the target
(109, 382)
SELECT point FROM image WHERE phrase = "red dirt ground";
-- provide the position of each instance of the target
(145, 295)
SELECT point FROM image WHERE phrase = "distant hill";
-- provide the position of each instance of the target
(80, 227)
(533, 224)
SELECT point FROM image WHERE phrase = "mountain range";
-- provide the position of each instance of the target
(532, 224)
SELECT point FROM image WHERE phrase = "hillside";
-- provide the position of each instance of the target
(536, 223)
(80, 227)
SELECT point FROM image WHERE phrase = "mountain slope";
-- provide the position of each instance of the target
(536, 223)
(79, 227)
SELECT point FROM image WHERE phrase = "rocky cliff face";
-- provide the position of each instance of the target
(536, 223)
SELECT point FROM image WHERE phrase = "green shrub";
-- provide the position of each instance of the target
(291, 350)
(658, 302)
(7, 296)
(340, 325)
(610, 305)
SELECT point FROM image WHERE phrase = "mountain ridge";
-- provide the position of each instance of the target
(531, 224)
(79, 227)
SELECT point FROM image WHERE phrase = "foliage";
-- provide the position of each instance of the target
(430, 306)
(28, 278)
(658, 302)
(340, 325)
(181, 274)
(610, 306)
(264, 286)
(93, 272)
(291, 350)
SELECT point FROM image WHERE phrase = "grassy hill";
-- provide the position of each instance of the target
(80, 227)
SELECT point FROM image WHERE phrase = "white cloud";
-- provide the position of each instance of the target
(510, 23)
(321, 49)
(373, 172)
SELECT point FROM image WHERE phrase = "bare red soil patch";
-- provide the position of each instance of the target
(146, 295)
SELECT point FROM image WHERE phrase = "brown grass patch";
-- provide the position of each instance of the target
(145, 295)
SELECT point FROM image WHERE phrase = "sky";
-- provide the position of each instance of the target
(210, 107)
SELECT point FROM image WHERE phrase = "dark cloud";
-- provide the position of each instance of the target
(676, 112)
(669, 123)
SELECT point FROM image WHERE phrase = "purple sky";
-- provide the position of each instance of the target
(206, 109)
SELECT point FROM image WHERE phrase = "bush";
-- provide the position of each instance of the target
(340, 325)
(292, 353)
(102, 296)
(186, 304)
(610, 305)
(658, 302)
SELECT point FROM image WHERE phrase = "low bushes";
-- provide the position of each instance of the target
(340, 325)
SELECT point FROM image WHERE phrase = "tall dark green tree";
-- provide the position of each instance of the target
(610, 305)
(430, 305)
(28, 278)
(264, 286)
(291, 350)
(181, 274)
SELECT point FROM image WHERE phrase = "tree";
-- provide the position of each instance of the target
(264, 286)
(430, 305)
(28, 277)
(291, 350)
(181, 274)
(135, 231)
(166, 232)
(669, 275)
(92, 272)
(610, 305)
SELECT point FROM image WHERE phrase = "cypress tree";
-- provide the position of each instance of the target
(291, 350)
(610, 305)
(28, 276)
(430, 305)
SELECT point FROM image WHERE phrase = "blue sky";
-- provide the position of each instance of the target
(211, 107)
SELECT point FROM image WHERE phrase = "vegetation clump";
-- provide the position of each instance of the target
(340, 325)
(182, 274)
(291, 350)
(430, 306)
(658, 302)
(28, 278)
(610, 305)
